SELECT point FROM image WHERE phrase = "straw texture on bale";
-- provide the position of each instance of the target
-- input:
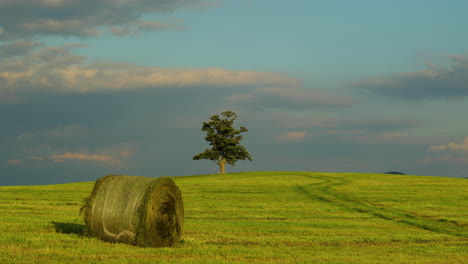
(136, 210)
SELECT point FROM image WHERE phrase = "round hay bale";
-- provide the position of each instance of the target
(135, 210)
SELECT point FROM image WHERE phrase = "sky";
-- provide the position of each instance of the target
(90, 88)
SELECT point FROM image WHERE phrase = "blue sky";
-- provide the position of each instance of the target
(92, 88)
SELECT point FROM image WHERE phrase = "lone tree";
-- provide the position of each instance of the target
(224, 141)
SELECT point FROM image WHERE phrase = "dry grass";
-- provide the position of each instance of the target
(135, 210)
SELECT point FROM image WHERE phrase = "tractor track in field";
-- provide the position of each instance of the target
(324, 191)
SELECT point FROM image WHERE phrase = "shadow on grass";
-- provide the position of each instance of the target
(69, 228)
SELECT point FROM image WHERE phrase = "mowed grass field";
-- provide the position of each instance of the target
(258, 217)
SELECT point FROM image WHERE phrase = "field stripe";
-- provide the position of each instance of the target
(324, 191)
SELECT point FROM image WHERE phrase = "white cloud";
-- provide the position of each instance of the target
(56, 69)
(52, 3)
(106, 160)
(79, 156)
(111, 156)
(448, 153)
(14, 161)
(70, 144)
(292, 136)
(452, 146)
(134, 28)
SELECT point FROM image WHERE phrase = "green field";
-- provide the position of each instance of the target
(259, 217)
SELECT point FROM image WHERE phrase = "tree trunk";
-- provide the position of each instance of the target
(222, 165)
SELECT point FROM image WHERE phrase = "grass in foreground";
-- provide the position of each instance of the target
(261, 217)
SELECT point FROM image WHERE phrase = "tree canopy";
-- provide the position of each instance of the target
(224, 140)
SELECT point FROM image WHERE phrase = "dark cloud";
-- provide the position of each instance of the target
(17, 48)
(76, 137)
(84, 18)
(73, 137)
(289, 98)
(321, 152)
(377, 125)
(284, 120)
(433, 83)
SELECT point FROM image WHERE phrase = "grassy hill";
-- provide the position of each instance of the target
(261, 217)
